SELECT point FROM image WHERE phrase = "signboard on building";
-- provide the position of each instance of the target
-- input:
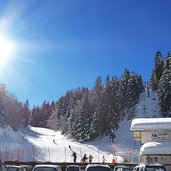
(159, 136)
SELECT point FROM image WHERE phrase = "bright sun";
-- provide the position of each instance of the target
(6, 48)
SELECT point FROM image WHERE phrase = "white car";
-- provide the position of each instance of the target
(47, 167)
(97, 167)
(149, 167)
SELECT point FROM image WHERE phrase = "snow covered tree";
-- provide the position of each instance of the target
(81, 124)
(35, 116)
(131, 85)
(112, 99)
(164, 89)
(158, 70)
(97, 102)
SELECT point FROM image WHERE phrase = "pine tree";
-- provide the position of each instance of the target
(158, 70)
(26, 113)
(164, 89)
(97, 103)
(111, 101)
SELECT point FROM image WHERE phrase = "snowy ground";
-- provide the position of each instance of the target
(40, 144)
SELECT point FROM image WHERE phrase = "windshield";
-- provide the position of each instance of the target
(72, 168)
(124, 169)
(45, 169)
(98, 168)
(155, 168)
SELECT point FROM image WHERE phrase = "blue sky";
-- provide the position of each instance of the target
(65, 44)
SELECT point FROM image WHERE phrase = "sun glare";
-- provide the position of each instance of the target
(6, 48)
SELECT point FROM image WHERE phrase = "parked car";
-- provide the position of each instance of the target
(122, 168)
(15, 168)
(149, 167)
(97, 167)
(73, 168)
(46, 167)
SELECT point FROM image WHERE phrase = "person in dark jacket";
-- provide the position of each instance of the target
(74, 157)
(84, 158)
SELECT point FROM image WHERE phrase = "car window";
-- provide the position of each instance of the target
(72, 168)
(127, 169)
(13, 168)
(98, 168)
(123, 169)
(118, 169)
(45, 169)
(155, 168)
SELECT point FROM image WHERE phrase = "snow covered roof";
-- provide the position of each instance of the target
(156, 148)
(148, 124)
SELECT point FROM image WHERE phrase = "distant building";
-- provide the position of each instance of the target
(155, 137)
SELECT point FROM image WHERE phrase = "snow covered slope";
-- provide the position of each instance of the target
(40, 144)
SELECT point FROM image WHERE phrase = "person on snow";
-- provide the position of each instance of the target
(74, 157)
(90, 158)
(84, 158)
(103, 159)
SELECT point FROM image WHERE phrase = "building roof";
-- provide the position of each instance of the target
(151, 124)
(156, 148)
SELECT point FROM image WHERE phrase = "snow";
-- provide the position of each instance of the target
(149, 124)
(156, 148)
(41, 144)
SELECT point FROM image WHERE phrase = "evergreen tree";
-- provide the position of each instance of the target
(26, 113)
(111, 100)
(97, 103)
(82, 122)
(35, 119)
(131, 86)
(164, 89)
(158, 70)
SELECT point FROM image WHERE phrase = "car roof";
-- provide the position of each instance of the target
(152, 164)
(46, 165)
(95, 165)
(16, 166)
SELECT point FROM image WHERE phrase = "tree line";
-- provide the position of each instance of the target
(82, 113)
(86, 114)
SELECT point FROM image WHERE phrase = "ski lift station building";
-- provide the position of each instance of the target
(154, 135)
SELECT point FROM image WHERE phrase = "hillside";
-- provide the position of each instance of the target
(124, 144)
(40, 144)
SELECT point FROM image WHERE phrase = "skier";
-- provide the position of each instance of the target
(75, 157)
(74, 154)
(84, 158)
(90, 158)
